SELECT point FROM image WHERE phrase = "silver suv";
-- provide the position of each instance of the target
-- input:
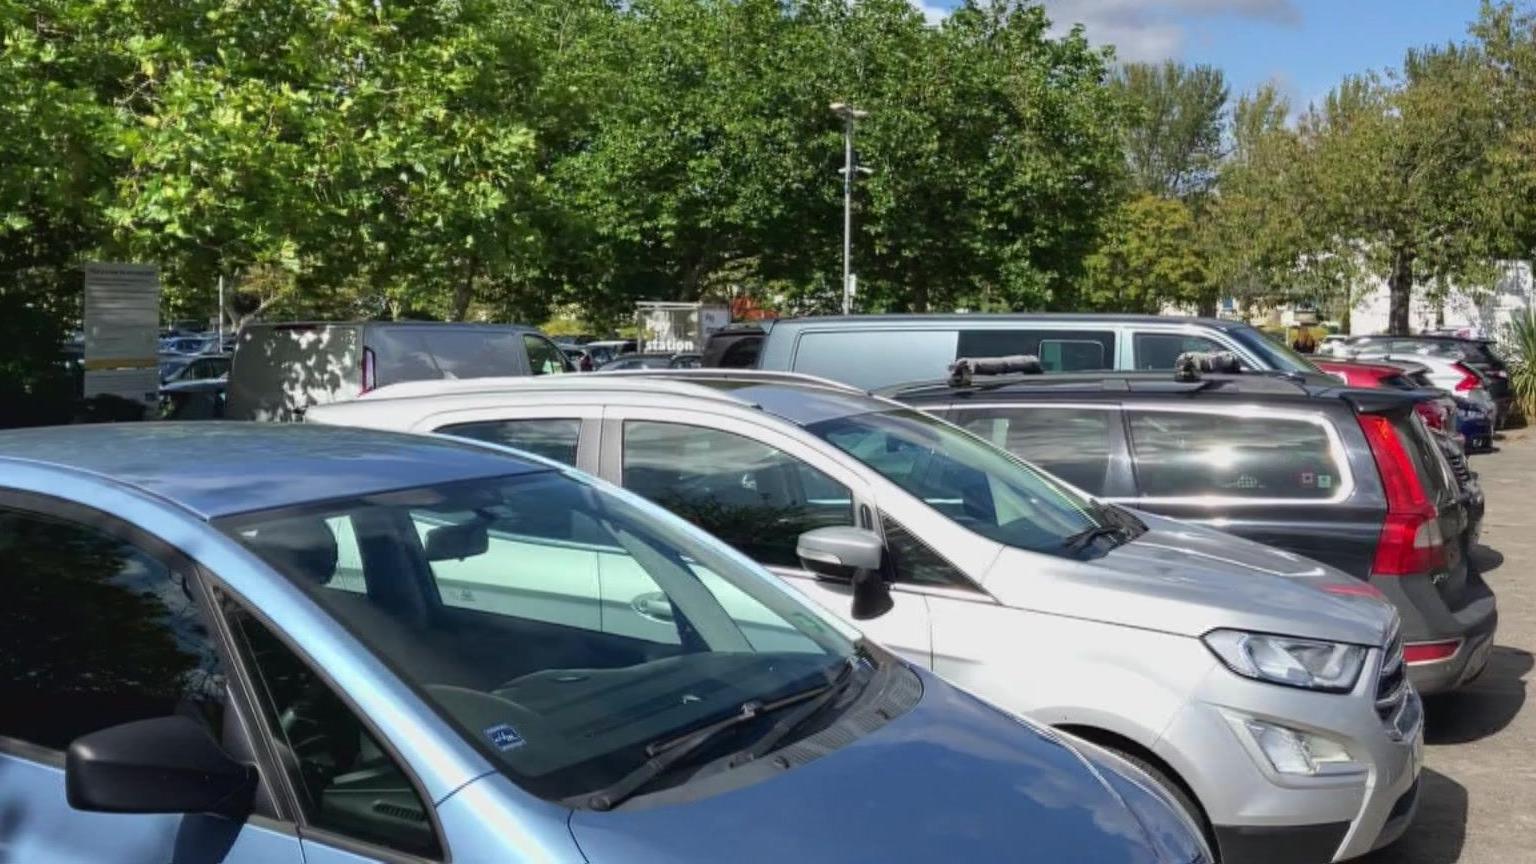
(1264, 690)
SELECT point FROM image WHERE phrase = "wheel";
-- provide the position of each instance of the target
(1177, 792)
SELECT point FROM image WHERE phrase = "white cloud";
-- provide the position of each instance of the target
(1149, 30)
(931, 10)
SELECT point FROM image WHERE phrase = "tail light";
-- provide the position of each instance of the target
(1469, 380)
(1411, 541)
(1430, 652)
(1433, 415)
(370, 371)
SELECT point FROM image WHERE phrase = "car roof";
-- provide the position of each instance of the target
(456, 325)
(1046, 317)
(1425, 337)
(1122, 383)
(217, 469)
(799, 399)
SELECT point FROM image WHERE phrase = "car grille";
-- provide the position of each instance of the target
(1392, 681)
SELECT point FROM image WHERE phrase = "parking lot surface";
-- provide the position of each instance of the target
(1478, 804)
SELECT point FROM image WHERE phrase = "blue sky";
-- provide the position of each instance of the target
(1304, 46)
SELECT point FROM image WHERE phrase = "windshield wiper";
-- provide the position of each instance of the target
(668, 752)
(834, 688)
(1079, 541)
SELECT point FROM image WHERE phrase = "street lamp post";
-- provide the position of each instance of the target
(850, 116)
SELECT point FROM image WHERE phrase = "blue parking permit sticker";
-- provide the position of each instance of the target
(504, 737)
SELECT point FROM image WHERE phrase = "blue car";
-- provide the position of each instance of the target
(1475, 424)
(234, 643)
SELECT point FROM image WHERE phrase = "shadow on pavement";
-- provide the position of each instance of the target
(1484, 706)
(1438, 830)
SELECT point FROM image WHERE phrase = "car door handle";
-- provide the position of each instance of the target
(654, 606)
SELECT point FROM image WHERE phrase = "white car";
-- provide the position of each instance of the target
(1265, 691)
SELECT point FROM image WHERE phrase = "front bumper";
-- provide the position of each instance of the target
(1259, 814)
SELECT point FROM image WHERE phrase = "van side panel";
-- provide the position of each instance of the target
(281, 369)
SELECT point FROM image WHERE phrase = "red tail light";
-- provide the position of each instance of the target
(1430, 652)
(1469, 380)
(1411, 541)
(370, 373)
(1433, 415)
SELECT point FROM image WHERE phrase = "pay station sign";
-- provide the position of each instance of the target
(122, 330)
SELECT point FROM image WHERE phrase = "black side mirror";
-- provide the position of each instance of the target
(164, 765)
(849, 555)
(457, 542)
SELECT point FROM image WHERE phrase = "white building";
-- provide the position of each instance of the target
(1481, 313)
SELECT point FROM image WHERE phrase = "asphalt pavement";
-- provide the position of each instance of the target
(1478, 799)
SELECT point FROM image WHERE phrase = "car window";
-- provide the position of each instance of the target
(559, 626)
(753, 496)
(346, 782)
(543, 357)
(911, 560)
(987, 490)
(95, 632)
(1071, 443)
(1158, 351)
(1184, 454)
(552, 438)
(876, 358)
(1058, 350)
(422, 353)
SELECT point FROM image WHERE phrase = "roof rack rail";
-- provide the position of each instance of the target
(1188, 366)
(724, 373)
(961, 371)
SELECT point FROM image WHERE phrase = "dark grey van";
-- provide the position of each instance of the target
(280, 370)
(872, 351)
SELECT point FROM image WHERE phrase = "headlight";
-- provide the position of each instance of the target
(1309, 663)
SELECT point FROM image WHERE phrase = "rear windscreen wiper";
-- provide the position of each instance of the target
(668, 752)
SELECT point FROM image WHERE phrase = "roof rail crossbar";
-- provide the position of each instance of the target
(1188, 366)
(962, 370)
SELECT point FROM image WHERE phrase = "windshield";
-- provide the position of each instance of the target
(1278, 356)
(975, 484)
(560, 625)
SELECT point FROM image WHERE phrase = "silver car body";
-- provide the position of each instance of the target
(1108, 648)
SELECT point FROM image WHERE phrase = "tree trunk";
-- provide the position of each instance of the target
(464, 291)
(1400, 288)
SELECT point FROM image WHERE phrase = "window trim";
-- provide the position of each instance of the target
(1248, 411)
(301, 823)
(173, 558)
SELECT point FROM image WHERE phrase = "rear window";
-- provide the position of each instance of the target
(1185, 454)
(1058, 350)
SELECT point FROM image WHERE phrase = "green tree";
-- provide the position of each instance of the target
(1174, 126)
(1151, 258)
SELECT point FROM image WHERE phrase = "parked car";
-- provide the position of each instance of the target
(1477, 412)
(188, 346)
(873, 351)
(1347, 477)
(1479, 355)
(603, 350)
(1216, 663)
(579, 357)
(652, 360)
(325, 645)
(280, 370)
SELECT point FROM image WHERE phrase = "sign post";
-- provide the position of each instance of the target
(122, 328)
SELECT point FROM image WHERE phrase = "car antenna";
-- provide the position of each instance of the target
(962, 370)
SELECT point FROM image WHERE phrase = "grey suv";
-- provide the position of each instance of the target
(1348, 477)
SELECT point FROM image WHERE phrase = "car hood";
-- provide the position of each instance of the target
(1188, 579)
(953, 779)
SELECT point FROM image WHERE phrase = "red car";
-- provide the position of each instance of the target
(1438, 413)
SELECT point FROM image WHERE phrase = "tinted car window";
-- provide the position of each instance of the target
(1181, 454)
(1071, 443)
(1155, 351)
(754, 497)
(424, 353)
(912, 560)
(543, 357)
(1058, 350)
(876, 358)
(555, 438)
(94, 633)
(346, 782)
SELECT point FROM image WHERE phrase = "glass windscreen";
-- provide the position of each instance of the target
(560, 626)
(962, 477)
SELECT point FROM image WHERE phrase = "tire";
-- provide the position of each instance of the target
(1176, 791)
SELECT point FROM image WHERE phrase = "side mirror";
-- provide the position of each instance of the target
(457, 542)
(853, 555)
(163, 765)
